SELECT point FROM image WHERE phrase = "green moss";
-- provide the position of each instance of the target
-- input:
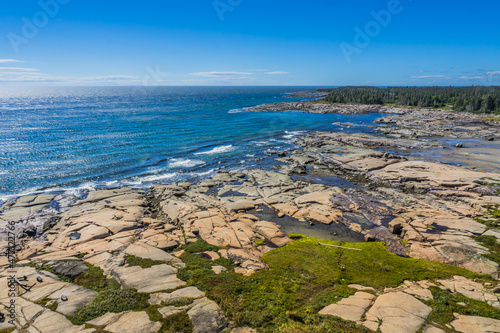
(303, 277)
(494, 211)
(81, 255)
(445, 304)
(50, 270)
(296, 236)
(180, 302)
(492, 217)
(491, 119)
(317, 324)
(486, 240)
(142, 262)
(228, 263)
(493, 246)
(8, 330)
(111, 301)
(153, 313)
(177, 323)
(97, 329)
(45, 300)
(95, 279)
(53, 306)
(259, 242)
(199, 246)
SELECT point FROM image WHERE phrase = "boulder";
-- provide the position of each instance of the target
(133, 322)
(467, 324)
(148, 280)
(351, 308)
(70, 267)
(207, 317)
(180, 294)
(397, 312)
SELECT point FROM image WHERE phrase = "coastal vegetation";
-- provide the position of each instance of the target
(478, 99)
(304, 277)
(445, 304)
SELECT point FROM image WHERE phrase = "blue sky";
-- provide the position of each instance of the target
(249, 42)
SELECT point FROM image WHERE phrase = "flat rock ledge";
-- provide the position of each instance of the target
(402, 309)
(351, 308)
(126, 322)
(468, 324)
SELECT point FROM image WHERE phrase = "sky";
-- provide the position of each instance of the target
(249, 42)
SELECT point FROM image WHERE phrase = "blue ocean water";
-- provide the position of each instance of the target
(56, 138)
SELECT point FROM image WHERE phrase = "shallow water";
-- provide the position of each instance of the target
(54, 138)
(290, 225)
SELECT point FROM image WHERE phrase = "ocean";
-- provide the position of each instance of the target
(55, 139)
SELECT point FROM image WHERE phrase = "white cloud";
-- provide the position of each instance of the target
(9, 60)
(18, 69)
(47, 78)
(277, 73)
(226, 81)
(106, 78)
(471, 77)
(431, 77)
(220, 74)
(493, 73)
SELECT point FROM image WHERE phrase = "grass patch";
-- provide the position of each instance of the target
(259, 242)
(296, 236)
(97, 329)
(44, 301)
(95, 279)
(303, 278)
(228, 263)
(491, 218)
(445, 304)
(199, 246)
(8, 330)
(153, 313)
(319, 324)
(491, 243)
(178, 303)
(198, 267)
(491, 119)
(177, 323)
(142, 262)
(50, 270)
(494, 212)
(111, 301)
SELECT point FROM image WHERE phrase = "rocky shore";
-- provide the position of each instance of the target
(404, 122)
(73, 252)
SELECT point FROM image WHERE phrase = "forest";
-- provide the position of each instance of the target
(478, 99)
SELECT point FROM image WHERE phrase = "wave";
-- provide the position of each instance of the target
(292, 134)
(241, 110)
(217, 150)
(155, 178)
(75, 191)
(184, 163)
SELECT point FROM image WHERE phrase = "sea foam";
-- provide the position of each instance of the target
(217, 150)
(184, 163)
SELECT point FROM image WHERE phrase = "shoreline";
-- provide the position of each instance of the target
(396, 123)
(400, 141)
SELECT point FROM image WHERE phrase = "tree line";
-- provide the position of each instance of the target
(480, 99)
